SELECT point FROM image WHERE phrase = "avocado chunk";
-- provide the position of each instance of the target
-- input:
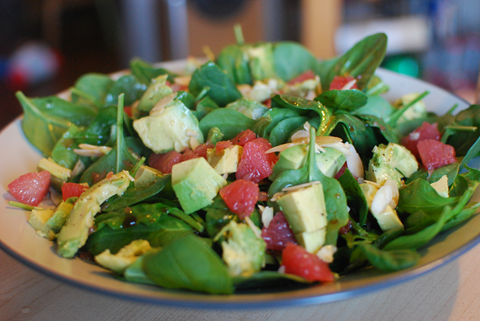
(441, 186)
(74, 233)
(249, 108)
(305, 211)
(391, 161)
(226, 161)
(328, 162)
(38, 219)
(171, 128)
(59, 217)
(59, 174)
(146, 175)
(243, 251)
(157, 90)
(127, 255)
(196, 183)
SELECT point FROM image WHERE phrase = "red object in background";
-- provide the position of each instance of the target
(339, 82)
(240, 197)
(426, 131)
(278, 233)
(298, 261)
(435, 154)
(72, 190)
(30, 188)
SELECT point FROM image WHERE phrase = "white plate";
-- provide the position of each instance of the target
(19, 239)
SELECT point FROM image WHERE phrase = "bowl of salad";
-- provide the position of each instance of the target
(261, 177)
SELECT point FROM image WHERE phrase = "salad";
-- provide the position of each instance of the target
(259, 168)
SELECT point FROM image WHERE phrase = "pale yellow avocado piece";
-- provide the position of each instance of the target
(226, 161)
(369, 191)
(58, 173)
(172, 128)
(127, 255)
(146, 175)
(38, 219)
(196, 184)
(441, 186)
(74, 233)
(311, 241)
(305, 211)
(388, 219)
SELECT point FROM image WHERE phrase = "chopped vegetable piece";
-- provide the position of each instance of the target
(240, 197)
(30, 188)
(72, 190)
(244, 137)
(298, 261)
(435, 154)
(278, 233)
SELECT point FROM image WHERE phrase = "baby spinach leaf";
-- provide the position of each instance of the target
(46, 119)
(463, 140)
(290, 59)
(234, 61)
(360, 61)
(301, 104)
(220, 87)
(384, 132)
(63, 153)
(421, 196)
(278, 114)
(392, 260)
(130, 86)
(387, 237)
(283, 130)
(473, 151)
(160, 232)
(189, 263)
(376, 86)
(348, 100)
(145, 72)
(464, 215)
(355, 197)
(96, 86)
(356, 131)
(450, 170)
(134, 195)
(375, 106)
(98, 132)
(229, 121)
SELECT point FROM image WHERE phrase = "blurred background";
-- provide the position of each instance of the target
(45, 45)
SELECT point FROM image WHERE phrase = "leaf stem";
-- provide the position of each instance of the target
(239, 34)
(118, 161)
(392, 120)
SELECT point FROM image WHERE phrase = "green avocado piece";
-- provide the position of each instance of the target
(249, 108)
(38, 219)
(328, 162)
(171, 128)
(391, 161)
(62, 211)
(306, 213)
(243, 251)
(127, 255)
(157, 90)
(146, 175)
(196, 183)
(74, 233)
(58, 173)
